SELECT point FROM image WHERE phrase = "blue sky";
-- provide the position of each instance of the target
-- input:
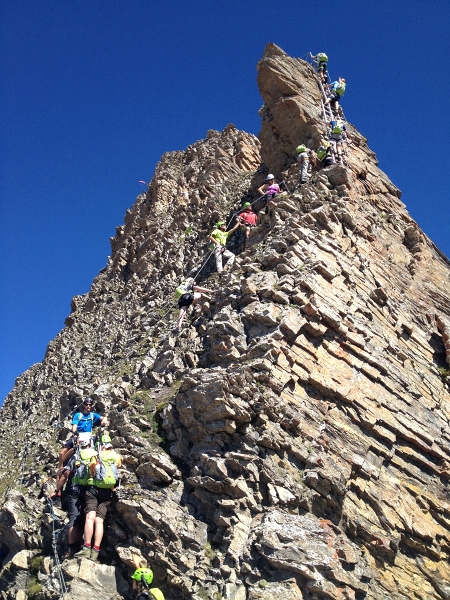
(92, 93)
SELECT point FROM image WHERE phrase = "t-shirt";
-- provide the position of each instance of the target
(273, 189)
(249, 217)
(220, 236)
(86, 422)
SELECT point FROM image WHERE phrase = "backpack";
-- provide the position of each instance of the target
(300, 149)
(322, 57)
(81, 471)
(322, 152)
(183, 288)
(338, 127)
(340, 88)
(106, 472)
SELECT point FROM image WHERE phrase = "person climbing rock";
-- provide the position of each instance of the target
(270, 189)
(247, 219)
(79, 478)
(337, 89)
(103, 472)
(142, 579)
(302, 155)
(322, 59)
(64, 467)
(337, 136)
(188, 293)
(219, 237)
(87, 419)
(324, 153)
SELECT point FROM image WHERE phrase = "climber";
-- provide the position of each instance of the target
(321, 58)
(303, 155)
(337, 89)
(103, 476)
(247, 219)
(337, 136)
(142, 579)
(80, 477)
(87, 420)
(64, 466)
(219, 237)
(324, 153)
(270, 189)
(188, 293)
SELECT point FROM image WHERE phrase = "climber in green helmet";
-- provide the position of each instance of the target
(324, 153)
(336, 91)
(321, 58)
(142, 580)
(219, 237)
(302, 155)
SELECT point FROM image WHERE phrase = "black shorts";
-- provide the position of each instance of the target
(98, 500)
(322, 67)
(186, 300)
(76, 506)
(335, 97)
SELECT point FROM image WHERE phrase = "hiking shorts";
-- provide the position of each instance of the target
(77, 516)
(185, 300)
(98, 500)
(322, 67)
(334, 97)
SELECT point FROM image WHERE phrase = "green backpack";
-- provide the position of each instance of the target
(340, 88)
(300, 149)
(81, 472)
(322, 152)
(106, 472)
(183, 288)
(322, 57)
(338, 128)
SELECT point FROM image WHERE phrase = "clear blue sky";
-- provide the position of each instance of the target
(92, 93)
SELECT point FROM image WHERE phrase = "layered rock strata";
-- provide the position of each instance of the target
(294, 441)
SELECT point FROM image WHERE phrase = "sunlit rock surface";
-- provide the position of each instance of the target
(293, 442)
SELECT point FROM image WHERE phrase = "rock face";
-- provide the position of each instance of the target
(294, 441)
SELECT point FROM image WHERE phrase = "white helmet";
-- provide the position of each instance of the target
(270, 176)
(84, 438)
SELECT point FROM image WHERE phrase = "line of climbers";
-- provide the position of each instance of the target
(330, 151)
(86, 478)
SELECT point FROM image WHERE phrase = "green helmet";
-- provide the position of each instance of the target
(246, 205)
(220, 223)
(106, 438)
(143, 574)
(155, 593)
(300, 149)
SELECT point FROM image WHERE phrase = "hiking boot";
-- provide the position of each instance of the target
(85, 552)
(94, 555)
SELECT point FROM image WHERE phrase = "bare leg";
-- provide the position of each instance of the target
(98, 535)
(61, 480)
(89, 527)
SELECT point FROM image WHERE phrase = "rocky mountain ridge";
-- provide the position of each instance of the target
(294, 440)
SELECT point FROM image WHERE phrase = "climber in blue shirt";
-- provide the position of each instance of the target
(87, 420)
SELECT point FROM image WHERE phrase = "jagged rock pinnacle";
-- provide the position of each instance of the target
(293, 442)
